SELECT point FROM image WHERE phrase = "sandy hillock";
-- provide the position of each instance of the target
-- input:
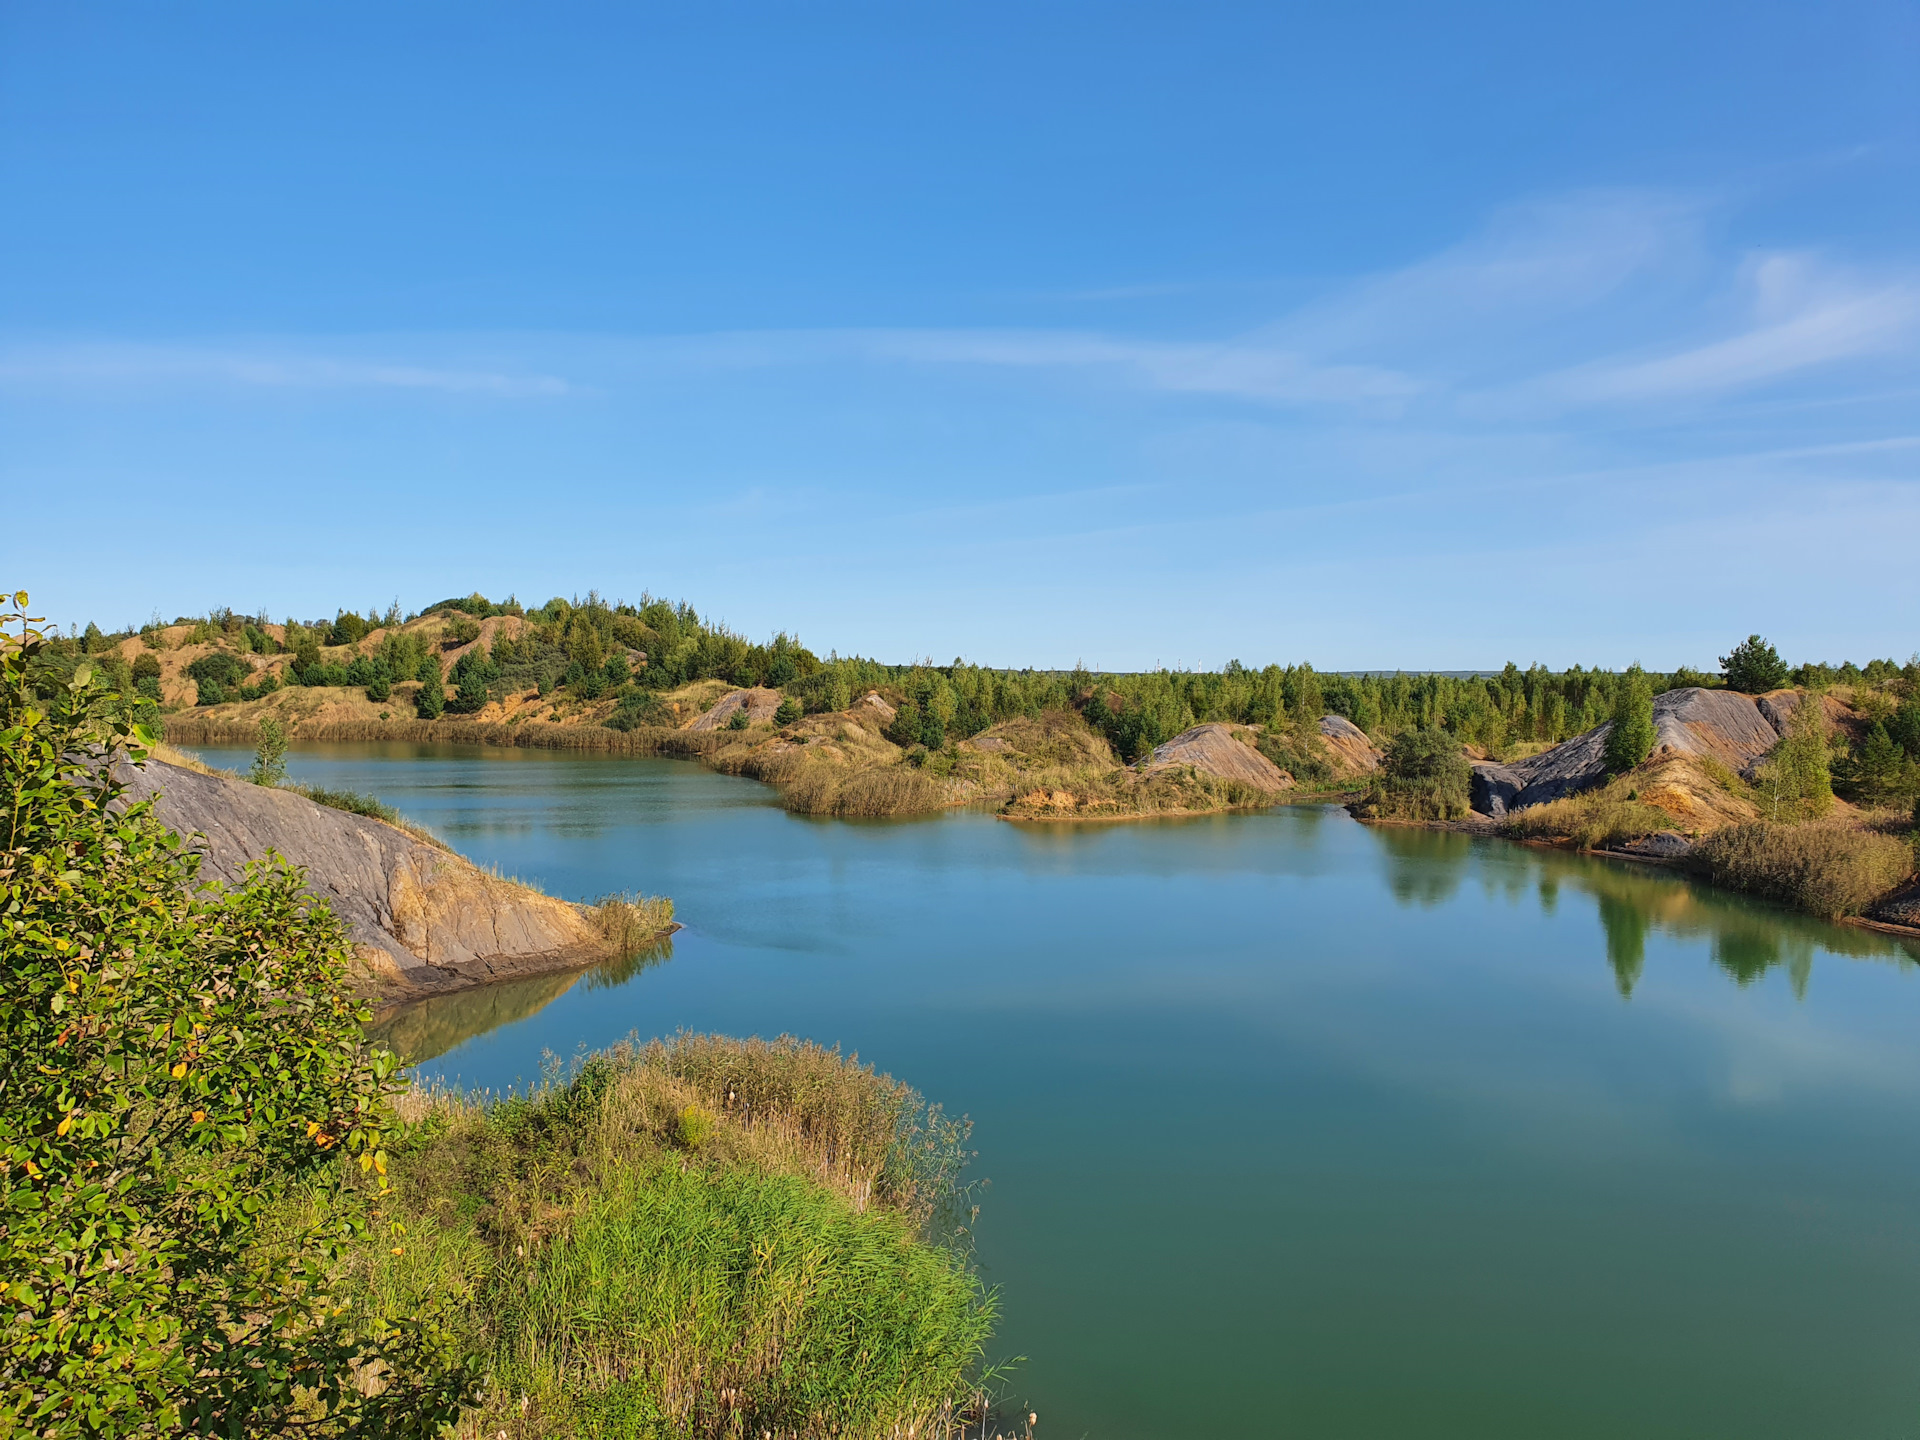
(422, 919)
(1219, 751)
(759, 703)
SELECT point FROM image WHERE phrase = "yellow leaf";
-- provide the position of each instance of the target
(180, 1070)
(198, 1116)
(366, 1161)
(64, 1126)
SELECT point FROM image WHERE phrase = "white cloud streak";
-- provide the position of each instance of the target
(97, 365)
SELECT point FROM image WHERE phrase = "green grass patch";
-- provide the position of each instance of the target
(706, 1237)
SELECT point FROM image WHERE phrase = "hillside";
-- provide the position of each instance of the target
(422, 919)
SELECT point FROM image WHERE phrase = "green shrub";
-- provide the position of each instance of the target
(1829, 868)
(461, 630)
(790, 710)
(693, 1126)
(1795, 781)
(1425, 777)
(738, 720)
(200, 1067)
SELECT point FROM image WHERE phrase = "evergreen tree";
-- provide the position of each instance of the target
(432, 698)
(1631, 738)
(1754, 667)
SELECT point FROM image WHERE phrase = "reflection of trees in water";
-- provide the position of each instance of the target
(422, 1029)
(1424, 867)
(1626, 926)
(609, 973)
(1748, 938)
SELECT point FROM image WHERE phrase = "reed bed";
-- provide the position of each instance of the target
(629, 921)
(873, 792)
(701, 1237)
(531, 735)
(1830, 868)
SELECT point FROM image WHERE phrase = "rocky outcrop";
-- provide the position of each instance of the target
(421, 919)
(1720, 725)
(1216, 750)
(759, 703)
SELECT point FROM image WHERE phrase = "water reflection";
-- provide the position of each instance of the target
(1747, 938)
(1425, 867)
(421, 1030)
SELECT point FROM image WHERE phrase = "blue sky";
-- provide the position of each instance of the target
(1371, 335)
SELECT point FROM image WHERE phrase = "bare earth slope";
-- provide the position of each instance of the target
(1213, 750)
(1352, 752)
(759, 703)
(422, 919)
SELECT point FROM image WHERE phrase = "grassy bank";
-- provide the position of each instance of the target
(705, 1237)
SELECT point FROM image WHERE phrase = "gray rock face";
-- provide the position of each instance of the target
(424, 919)
(1719, 724)
(1494, 788)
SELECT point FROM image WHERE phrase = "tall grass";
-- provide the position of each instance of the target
(875, 791)
(701, 1237)
(645, 740)
(1828, 868)
(1593, 821)
(629, 922)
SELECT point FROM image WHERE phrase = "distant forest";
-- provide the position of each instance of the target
(592, 648)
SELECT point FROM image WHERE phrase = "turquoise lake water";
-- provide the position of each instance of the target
(1294, 1127)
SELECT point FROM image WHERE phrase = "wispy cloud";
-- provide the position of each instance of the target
(122, 364)
(1803, 314)
(1611, 300)
(1247, 370)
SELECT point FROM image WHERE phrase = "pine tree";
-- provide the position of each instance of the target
(1631, 738)
(1754, 667)
(432, 697)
